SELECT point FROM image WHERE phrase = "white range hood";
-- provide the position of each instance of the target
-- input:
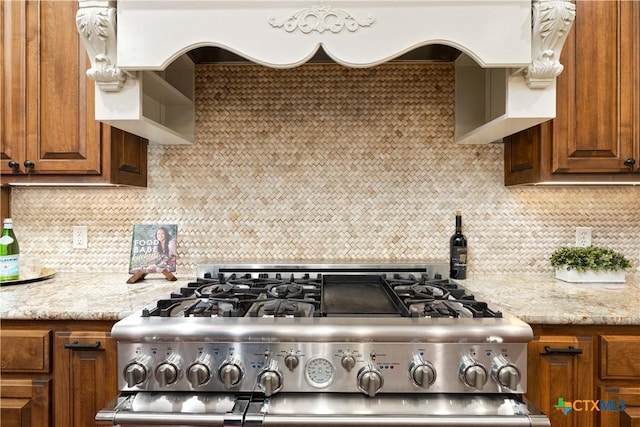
(505, 76)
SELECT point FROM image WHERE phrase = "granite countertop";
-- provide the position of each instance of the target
(107, 296)
(83, 296)
(541, 299)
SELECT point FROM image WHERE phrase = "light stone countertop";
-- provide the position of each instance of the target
(84, 296)
(542, 299)
(537, 299)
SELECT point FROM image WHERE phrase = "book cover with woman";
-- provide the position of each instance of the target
(153, 248)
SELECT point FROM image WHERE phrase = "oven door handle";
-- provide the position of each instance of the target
(398, 421)
(167, 419)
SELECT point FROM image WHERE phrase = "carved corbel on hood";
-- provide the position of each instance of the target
(551, 22)
(96, 22)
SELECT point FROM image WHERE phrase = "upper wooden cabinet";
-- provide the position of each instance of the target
(595, 136)
(47, 126)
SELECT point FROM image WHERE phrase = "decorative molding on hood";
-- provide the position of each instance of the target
(96, 22)
(321, 19)
(511, 49)
(552, 21)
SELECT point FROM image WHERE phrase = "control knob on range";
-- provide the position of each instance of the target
(230, 373)
(348, 362)
(505, 373)
(199, 372)
(137, 370)
(270, 379)
(370, 380)
(422, 372)
(168, 371)
(291, 361)
(472, 373)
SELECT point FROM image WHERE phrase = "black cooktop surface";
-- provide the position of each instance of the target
(273, 294)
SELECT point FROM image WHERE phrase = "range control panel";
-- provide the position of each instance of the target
(368, 368)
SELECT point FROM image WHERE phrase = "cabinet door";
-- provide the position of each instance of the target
(560, 371)
(86, 376)
(613, 396)
(25, 402)
(597, 125)
(12, 84)
(60, 138)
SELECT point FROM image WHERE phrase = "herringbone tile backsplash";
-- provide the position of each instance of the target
(320, 163)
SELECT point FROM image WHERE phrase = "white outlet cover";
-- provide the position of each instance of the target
(583, 236)
(80, 237)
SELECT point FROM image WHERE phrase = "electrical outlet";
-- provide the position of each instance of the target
(80, 237)
(583, 236)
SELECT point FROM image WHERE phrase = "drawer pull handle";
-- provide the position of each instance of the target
(567, 350)
(82, 346)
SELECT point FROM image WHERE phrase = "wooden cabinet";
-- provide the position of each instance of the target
(56, 373)
(25, 387)
(595, 136)
(25, 402)
(5, 202)
(47, 127)
(619, 380)
(85, 375)
(561, 370)
(595, 370)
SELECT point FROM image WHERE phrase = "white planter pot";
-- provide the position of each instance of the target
(590, 276)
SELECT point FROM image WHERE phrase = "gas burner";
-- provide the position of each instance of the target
(433, 308)
(452, 308)
(219, 290)
(436, 289)
(212, 308)
(282, 308)
(426, 291)
(291, 290)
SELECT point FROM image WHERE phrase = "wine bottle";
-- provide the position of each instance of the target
(9, 253)
(458, 251)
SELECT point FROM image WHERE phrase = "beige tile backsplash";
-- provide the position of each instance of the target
(323, 162)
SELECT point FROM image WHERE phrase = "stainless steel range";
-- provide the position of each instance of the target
(341, 345)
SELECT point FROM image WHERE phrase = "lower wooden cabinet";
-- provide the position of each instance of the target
(86, 375)
(560, 373)
(623, 404)
(58, 373)
(592, 371)
(25, 402)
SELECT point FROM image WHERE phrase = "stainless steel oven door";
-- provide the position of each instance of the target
(174, 409)
(350, 410)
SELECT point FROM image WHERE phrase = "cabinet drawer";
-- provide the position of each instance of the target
(25, 350)
(619, 357)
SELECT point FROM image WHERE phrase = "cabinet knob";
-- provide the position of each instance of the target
(630, 163)
(14, 165)
(29, 164)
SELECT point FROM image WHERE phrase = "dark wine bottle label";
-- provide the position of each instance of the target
(458, 262)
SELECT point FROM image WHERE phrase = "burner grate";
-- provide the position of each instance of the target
(272, 293)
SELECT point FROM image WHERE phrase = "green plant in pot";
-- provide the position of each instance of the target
(589, 264)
